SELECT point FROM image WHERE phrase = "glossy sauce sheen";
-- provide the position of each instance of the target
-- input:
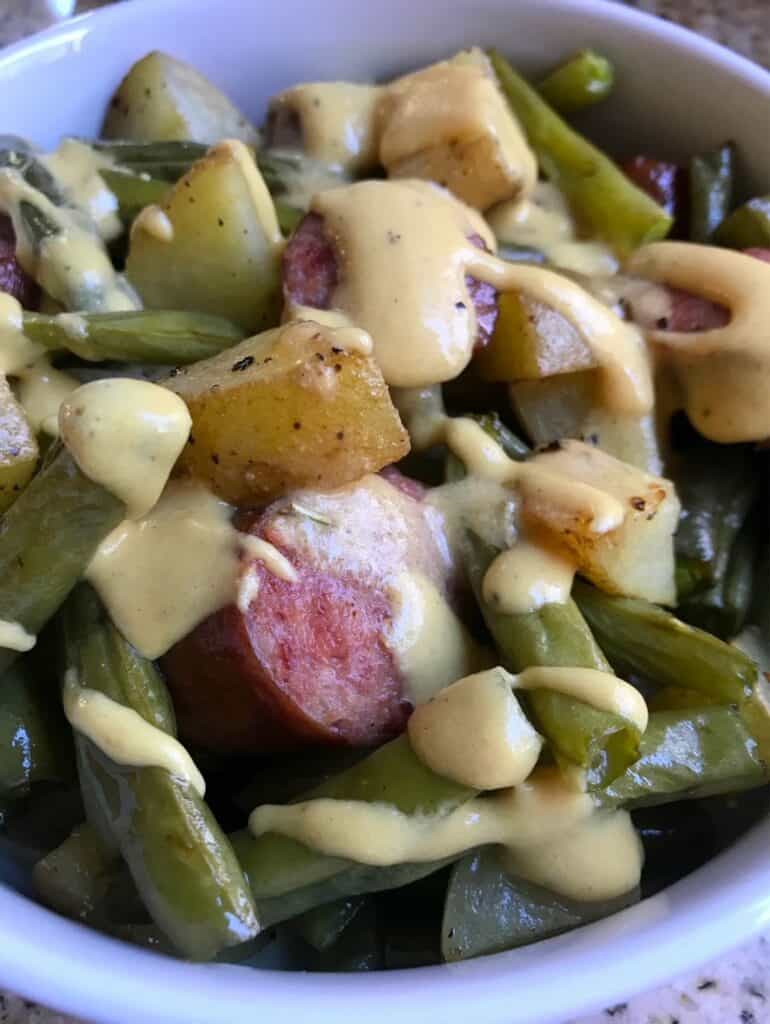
(124, 736)
(161, 575)
(722, 370)
(126, 435)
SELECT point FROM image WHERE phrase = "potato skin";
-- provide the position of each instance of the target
(284, 410)
(164, 99)
(224, 253)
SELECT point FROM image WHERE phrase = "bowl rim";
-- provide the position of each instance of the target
(81, 968)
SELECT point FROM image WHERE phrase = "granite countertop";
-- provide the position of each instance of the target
(735, 989)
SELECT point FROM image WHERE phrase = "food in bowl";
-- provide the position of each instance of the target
(372, 451)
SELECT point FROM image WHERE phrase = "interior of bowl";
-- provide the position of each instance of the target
(676, 95)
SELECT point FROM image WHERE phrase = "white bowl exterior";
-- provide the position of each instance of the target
(676, 94)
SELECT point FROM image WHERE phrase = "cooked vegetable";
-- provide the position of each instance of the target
(18, 448)
(487, 911)
(322, 926)
(134, 193)
(686, 754)
(531, 341)
(47, 539)
(637, 557)
(218, 250)
(647, 641)
(157, 161)
(180, 860)
(288, 878)
(568, 405)
(33, 735)
(747, 227)
(557, 634)
(579, 82)
(717, 485)
(162, 98)
(711, 191)
(73, 878)
(723, 609)
(602, 199)
(287, 409)
(163, 337)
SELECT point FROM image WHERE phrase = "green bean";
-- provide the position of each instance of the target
(711, 191)
(747, 227)
(349, 879)
(322, 926)
(33, 735)
(487, 911)
(689, 753)
(723, 609)
(717, 485)
(162, 337)
(557, 634)
(642, 639)
(604, 201)
(22, 159)
(579, 82)
(288, 216)
(73, 878)
(181, 862)
(47, 538)
(133, 192)
(360, 947)
(279, 868)
(166, 161)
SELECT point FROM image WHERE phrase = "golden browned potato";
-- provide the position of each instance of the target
(450, 123)
(213, 245)
(162, 99)
(18, 447)
(531, 341)
(286, 409)
(637, 558)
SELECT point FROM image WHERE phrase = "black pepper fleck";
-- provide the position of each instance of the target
(638, 503)
(242, 364)
(662, 323)
(297, 425)
(215, 459)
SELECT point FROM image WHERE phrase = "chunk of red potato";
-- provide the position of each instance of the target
(308, 661)
(13, 278)
(311, 273)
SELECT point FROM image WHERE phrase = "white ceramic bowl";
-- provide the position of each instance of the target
(677, 93)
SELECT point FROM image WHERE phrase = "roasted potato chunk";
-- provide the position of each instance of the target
(162, 98)
(637, 558)
(531, 341)
(451, 124)
(287, 409)
(571, 405)
(18, 447)
(219, 249)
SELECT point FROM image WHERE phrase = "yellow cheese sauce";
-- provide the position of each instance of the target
(534, 820)
(475, 732)
(72, 262)
(126, 435)
(336, 121)
(394, 238)
(243, 157)
(41, 388)
(528, 576)
(154, 221)
(124, 736)
(544, 222)
(14, 637)
(406, 256)
(431, 645)
(76, 166)
(163, 574)
(722, 370)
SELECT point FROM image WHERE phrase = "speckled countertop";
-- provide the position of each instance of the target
(734, 989)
